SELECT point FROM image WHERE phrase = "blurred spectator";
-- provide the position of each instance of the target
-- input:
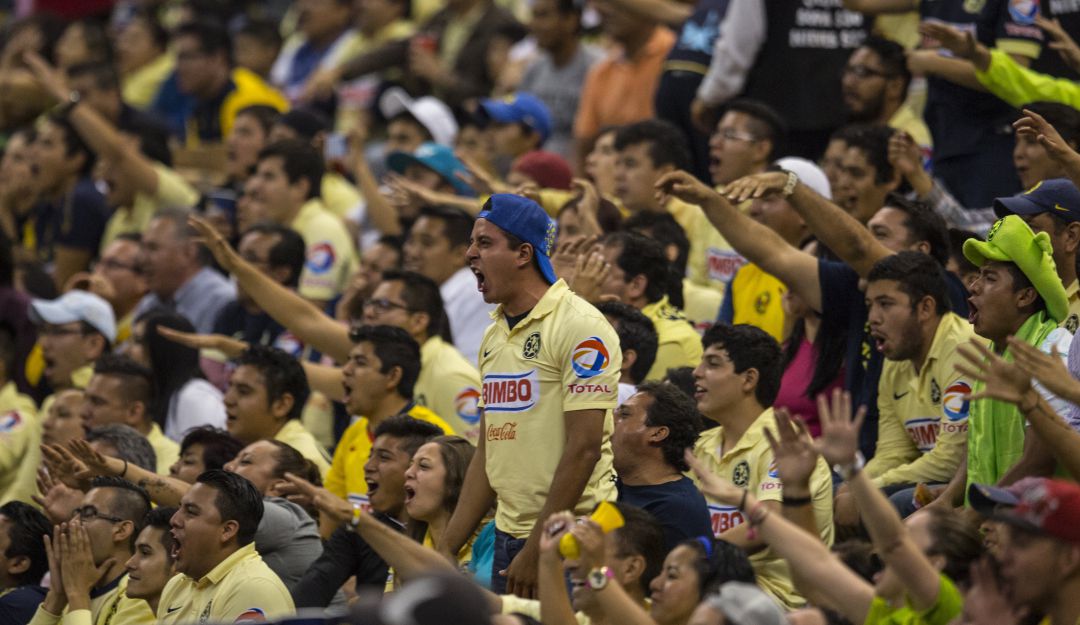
(322, 38)
(142, 58)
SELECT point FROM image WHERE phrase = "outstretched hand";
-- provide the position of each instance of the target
(232, 348)
(1048, 369)
(1035, 126)
(839, 440)
(302, 492)
(755, 186)
(686, 187)
(1060, 40)
(1002, 380)
(793, 450)
(716, 487)
(223, 253)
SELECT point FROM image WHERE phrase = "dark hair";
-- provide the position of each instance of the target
(456, 453)
(845, 133)
(642, 256)
(26, 527)
(457, 224)
(671, 408)
(300, 162)
(666, 143)
(1064, 118)
(183, 231)
(662, 228)
(421, 294)
(765, 123)
(718, 562)
(307, 123)
(641, 535)
(956, 248)
(923, 224)
(97, 39)
(859, 556)
(957, 540)
(102, 72)
(172, 364)
(394, 348)
(73, 143)
(266, 116)
(212, 36)
(893, 59)
(636, 332)
(9, 351)
(236, 500)
(750, 347)
(219, 447)
(138, 383)
(287, 252)
(607, 214)
(281, 373)
(128, 502)
(917, 275)
(264, 31)
(412, 433)
(131, 446)
(160, 518)
(290, 460)
(873, 141)
(681, 378)
(153, 138)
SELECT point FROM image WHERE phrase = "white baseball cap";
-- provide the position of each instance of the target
(809, 174)
(75, 306)
(431, 112)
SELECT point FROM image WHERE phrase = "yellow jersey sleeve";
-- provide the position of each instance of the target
(767, 477)
(44, 617)
(20, 435)
(1018, 85)
(592, 360)
(335, 481)
(330, 257)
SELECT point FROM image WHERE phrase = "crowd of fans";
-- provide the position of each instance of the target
(634, 312)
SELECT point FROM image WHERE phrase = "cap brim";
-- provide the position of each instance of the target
(45, 311)
(985, 499)
(497, 111)
(1016, 205)
(394, 102)
(980, 252)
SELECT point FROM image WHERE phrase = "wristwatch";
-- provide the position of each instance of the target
(789, 186)
(848, 470)
(597, 579)
(65, 106)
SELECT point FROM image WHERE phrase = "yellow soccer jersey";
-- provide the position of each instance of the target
(294, 434)
(1072, 321)
(20, 435)
(346, 476)
(749, 464)
(713, 262)
(679, 344)
(109, 605)
(166, 450)
(450, 387)
(339, 195)
(702, 305)
(563, 356)
(923, 417)
(241, 589)
(331, 257)
(756, 300)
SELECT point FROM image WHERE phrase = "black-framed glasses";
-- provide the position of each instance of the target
(89, 513)
(383, 304)
(864, 71)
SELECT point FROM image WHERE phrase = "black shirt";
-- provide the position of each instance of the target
(679, 507)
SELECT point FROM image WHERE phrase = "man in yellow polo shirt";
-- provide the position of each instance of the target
(641, 276)
(379, 379)
(285, 188)
(923, 412)
(221, 578)
(736, 383)
(120, 391)
(550, 367)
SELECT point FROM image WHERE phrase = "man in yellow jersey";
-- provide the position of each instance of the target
(90, 587)
(550, 367)
(266, 395)
(922, 405)
(20, 429)
(120, 391)
(640, 275)
(221, 578)
(379, 381)
(736, 383)
(286, 180)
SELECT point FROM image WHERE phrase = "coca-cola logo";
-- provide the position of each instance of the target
(504, 432)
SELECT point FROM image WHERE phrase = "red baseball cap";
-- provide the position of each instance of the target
(1038, 504)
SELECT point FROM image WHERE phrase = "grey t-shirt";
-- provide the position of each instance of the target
(560, 89)
(287, 539)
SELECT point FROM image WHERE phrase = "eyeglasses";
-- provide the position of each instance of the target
(383, 305)
(730, 134)
(48, 330)
(109, 263)
(862, 71)
(89, 513)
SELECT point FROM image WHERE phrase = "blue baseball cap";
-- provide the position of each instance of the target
(526, 220)
(439, 159)
(519, 108)
(1057, 196)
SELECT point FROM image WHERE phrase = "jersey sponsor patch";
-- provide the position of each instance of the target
(722, 264)
(467, 403)
(724, 518)
(511, 392)
(1024, 11)
(252, 615)
(320, 257)
(955, 402)
(10, 421)
(589, 358)
(774, 472)
(924, 432)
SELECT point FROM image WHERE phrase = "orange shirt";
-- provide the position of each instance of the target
(620, 90)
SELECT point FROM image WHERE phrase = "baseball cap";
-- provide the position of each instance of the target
(1057, 196)
(438, 158)
(521, 107)
(1012, 240)
(809, 174)
(431, 112)
(548, 169)
(1037, 504)
(75, 306)
(740, 602)
(526, 220)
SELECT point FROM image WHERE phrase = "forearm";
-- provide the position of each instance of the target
(838, 230)
(104, 140)
(571, 476)
(953, 495)
(379, 211)
(325, 379)
(389, 55)
(1062, 441)
(954, 70)
(802, 515)
(555, 608)
(408, 558)
(476, 499)
(1017, 85)
(1036, 460)
(667, 12)
(163, 490)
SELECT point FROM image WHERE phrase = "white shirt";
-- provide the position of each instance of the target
(196, 403)
(742, 33)
(469, 314)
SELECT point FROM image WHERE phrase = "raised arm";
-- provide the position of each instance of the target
(667, 12)
(163, 490)
(756, 242)
(1034, 125)
(832, 225)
